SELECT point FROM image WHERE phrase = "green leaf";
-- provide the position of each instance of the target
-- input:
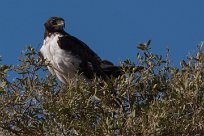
(142, 46)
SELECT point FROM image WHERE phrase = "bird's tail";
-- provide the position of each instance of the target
(110, 69)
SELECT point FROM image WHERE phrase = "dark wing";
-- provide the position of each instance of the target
(74, 45)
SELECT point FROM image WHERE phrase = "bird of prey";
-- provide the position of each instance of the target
(69, 57)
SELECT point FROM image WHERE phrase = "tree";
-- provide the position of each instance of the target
(150, 98)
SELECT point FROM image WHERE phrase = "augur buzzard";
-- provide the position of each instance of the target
(70, 57)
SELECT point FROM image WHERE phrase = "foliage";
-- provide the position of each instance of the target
(150, 98)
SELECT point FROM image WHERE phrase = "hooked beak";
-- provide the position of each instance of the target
(60, 23)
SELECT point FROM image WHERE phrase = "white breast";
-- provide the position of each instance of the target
(64, 64)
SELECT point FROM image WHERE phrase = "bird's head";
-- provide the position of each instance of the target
(55, 24)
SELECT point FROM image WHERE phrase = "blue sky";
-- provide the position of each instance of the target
(112, 28)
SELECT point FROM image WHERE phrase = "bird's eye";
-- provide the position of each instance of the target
(54, 22)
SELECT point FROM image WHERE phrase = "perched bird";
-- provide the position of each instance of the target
(69, 57)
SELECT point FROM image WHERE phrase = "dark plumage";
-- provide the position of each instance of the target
(70, 56)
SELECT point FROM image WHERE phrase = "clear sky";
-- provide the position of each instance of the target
(112, 28)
